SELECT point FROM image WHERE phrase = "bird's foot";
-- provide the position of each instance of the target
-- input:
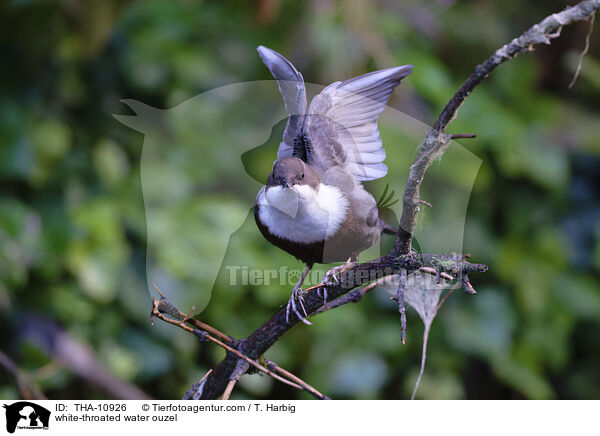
(331, 277)
(297, 299)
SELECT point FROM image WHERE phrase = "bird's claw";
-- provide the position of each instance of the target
(297, 295)
(331, 278)
(322, 292)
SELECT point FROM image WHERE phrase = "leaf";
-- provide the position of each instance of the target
(423, 294)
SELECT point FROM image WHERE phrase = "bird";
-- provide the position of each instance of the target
(313, 205)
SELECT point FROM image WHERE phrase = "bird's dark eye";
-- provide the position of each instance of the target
(302, 176)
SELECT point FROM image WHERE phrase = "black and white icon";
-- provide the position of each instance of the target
(26, 415)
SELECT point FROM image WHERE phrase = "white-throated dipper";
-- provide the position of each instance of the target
(313, 205)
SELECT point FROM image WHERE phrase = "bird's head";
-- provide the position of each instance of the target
(291, 171)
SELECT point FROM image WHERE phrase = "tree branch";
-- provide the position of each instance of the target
(436, 141)
(266, 335)
(177, 318)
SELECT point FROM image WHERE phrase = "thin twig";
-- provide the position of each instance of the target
(240, 368)
(584, 52)
(158, 290)
(229, 389)
(423, 358)
(320, 285)
(205, 376)
(452, 289)
(434, 272)
(463, 135)
(289, 375)
(403, 276)
(174, 312)
(156, 312)
(197, 388)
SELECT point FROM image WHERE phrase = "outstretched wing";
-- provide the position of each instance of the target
(341, 123)
(291, 87)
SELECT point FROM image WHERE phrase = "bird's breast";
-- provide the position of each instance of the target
(301, 213)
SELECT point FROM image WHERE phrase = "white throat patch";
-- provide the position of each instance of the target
(300, 213)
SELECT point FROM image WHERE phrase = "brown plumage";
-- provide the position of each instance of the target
(313, 205)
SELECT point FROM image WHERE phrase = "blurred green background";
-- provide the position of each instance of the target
(74, 302)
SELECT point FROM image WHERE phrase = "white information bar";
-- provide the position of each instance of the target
(252, 417)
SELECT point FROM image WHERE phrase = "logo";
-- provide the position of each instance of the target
(26, 415)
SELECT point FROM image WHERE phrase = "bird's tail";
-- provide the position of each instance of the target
(386, 228)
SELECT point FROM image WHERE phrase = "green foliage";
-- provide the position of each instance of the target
(73, 229)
